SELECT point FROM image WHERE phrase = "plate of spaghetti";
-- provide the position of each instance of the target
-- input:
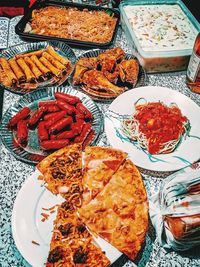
(158, 127)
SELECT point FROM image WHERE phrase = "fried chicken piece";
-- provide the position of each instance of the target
(88, 62)
(128, 71)
(78, 74)
(109, 70)
(108, 61)
(94, 79)
(111, 54)
(82, 66)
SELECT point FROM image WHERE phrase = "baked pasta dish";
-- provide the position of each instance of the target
(71, 23)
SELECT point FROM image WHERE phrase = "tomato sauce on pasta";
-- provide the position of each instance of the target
(156, 127)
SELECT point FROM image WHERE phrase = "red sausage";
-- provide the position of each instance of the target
(82, 109)
(22, 132)
(22, 114)
(59, 125)
(65, 135)
(54, 144)
(79, 115)
(53, 136)
(52, 115)
(55, 118)
(67, 107)
(85, 131)
(53, 108)
(88, 139)
(47, 103)
(70, 99)
(37, 115)
(77, 126)
(42, 131)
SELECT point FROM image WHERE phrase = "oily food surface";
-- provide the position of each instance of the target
(54, 124)
(157, 127)
(72, 23)
(117, 211)
(71, 243)
(106, 75)
(27, 71)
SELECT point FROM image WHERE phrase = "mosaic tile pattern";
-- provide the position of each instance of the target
(13, 173)
(4, 25)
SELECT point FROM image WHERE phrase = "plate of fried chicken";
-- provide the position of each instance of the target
(105, 74)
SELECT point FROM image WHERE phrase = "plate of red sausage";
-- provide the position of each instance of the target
(49, 119)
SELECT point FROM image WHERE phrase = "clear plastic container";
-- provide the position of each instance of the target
(161, 33)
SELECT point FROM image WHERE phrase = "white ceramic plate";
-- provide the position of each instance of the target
(27, 225)
(186, 153)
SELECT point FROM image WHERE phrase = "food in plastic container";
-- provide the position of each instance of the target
(162, 33)
(175, 210)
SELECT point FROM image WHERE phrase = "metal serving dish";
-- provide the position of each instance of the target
(20, 27)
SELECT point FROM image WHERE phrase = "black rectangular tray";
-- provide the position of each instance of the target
(19, 28)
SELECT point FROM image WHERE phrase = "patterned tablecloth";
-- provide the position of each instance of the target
(13, 173)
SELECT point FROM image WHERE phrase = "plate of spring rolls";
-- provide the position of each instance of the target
(28, 67)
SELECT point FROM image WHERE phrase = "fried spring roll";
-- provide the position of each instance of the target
(53, 61)
(16, 69)
(40, 66)
(53, 69)
(34, 68)
(12, 79)
(54, 54)
(29, 75)
(37, 53)
(4, 79)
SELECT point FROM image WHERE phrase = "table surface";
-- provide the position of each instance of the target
(14, 172)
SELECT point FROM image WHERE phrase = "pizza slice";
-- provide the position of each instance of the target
(72, 244)
(119, 213)
(62, 171)
(99, 164)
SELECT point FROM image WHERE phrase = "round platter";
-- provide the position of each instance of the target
(28, 228)
(32, 153)
(95, 53)
(184, 155)
(61, 48)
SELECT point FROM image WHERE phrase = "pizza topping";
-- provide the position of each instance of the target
(112, 164)
(63, 189)
(55, 255)
(94, 163)
(81, 228)
(65, 229)
(75, 188)
(117, 213)
(67, 206)
(80, 256)
(73, 156)
(58, 174)
(58, 163)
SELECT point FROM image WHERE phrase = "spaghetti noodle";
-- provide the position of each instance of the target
(156, 127)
